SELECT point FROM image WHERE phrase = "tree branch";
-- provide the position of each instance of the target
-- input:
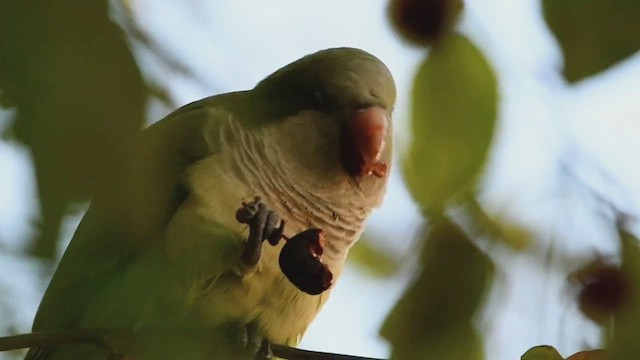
(102, 339)
(286, 352)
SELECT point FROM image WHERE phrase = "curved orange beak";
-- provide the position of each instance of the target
(363, 141)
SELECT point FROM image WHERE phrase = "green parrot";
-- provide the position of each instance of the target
(176, 252)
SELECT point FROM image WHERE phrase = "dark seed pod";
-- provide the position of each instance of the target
(300, 261)
(604, 290)
(421, 22)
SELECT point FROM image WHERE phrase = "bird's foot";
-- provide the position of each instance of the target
(252, 344)
(301, 257)
(265, 352)
(259, 344)
(262, 226)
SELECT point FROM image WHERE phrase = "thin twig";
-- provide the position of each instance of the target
(290, 353)
(97, 337)
(100, 338)
(48, 338)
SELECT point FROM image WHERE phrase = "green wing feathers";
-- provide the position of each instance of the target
(115, 271)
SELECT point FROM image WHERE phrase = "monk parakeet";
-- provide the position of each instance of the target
(176, 251)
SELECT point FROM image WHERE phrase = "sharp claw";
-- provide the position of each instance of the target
(248, 210)
(270, 224)
(243, 215)
(301, 257)
(277, 234)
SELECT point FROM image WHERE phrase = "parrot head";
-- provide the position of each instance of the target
(336, 105)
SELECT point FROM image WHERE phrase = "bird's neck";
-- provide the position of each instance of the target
(331, 200)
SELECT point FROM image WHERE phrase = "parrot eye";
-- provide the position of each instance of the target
(319, 101)
(322, 102)
(318, 97)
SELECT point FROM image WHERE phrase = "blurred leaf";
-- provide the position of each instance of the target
(625, 344)
(372, 259)
(542, 352)
(79, 96)
(498, 227)
(590, 355)
(516, 236)
(454, 111)
(434, 318)
(593, 34)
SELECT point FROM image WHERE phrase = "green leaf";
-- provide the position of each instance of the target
(625, 345)
(498, 226)
(593, 34)
(454, 113)
(80, 101)
(373, 259)
(542, 352)
(434, 318)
